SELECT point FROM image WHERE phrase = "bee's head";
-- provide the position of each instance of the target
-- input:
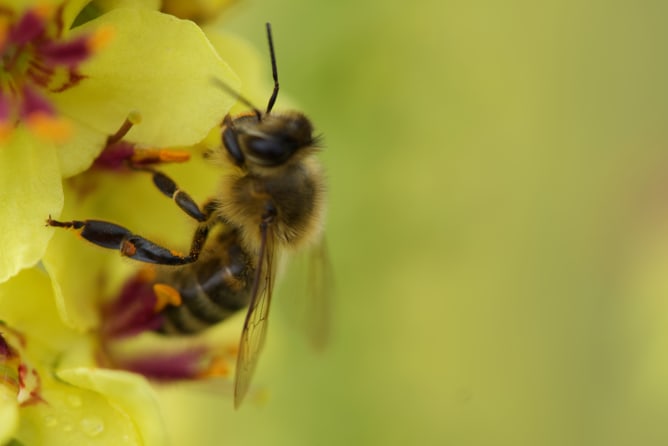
(266, 139)
(270, 142)
(276, 139)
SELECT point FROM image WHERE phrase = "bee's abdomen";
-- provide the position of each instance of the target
(211, 290)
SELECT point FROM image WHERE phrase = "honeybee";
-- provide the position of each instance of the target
(271, 202)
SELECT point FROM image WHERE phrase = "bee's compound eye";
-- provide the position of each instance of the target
(232, 145)
(270, 151)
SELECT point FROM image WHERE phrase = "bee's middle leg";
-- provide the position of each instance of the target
(169, 188)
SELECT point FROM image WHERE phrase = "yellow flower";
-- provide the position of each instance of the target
(130, 199)
(64, 90)
(102, 294)
(51, 391)
(199, 11)
(155, 72)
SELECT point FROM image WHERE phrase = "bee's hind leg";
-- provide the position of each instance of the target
(112, 236)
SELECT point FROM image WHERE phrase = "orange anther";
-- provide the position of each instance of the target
(150, 156)
(50, 127)
(166, 295)
(5, 131)
(174, 156)
(43, 10)
(4, 30)
(100, 37)
(217, 367)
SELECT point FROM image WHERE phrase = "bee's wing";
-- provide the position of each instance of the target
(318, 295)
(255, 326)
(307, 291)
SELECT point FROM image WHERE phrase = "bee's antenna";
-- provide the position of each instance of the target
(236, 94)
(274, 70)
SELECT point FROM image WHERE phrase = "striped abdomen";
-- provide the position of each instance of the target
(213, 288)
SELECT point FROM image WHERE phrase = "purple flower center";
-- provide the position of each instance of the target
(36, 61)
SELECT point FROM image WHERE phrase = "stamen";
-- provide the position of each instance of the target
(5, 349)
(5, 131)
(9, 377)
(133, 312)
(115, 156)
(70, 53)
(18, 379)
(217, 368)
(4, 31)
(33, 102)
(43, 10)
(40, 116)
(29, 26)
(154, 156)
(132, 119)
(5, 124)
(38, 61)
(166, 295)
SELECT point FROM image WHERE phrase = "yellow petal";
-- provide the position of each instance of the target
(108, 5)
(9, 414)
(79, 273)
(78, 152)
(199, 11)
(21, 296)
(157, 65)
(129, 392)
(68, 414)
(77, 416)
(30, 190)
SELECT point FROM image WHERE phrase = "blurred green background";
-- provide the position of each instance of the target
(498, 224)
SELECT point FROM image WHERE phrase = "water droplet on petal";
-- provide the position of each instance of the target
(74, 400)
(92, 426)
(50, 421)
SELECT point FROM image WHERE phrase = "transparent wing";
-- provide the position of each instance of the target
(307, 291)
(318, 299)
(254, 332)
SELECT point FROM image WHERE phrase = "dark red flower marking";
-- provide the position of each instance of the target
(37, 60)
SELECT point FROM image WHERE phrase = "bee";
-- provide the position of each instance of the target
(272, 201)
